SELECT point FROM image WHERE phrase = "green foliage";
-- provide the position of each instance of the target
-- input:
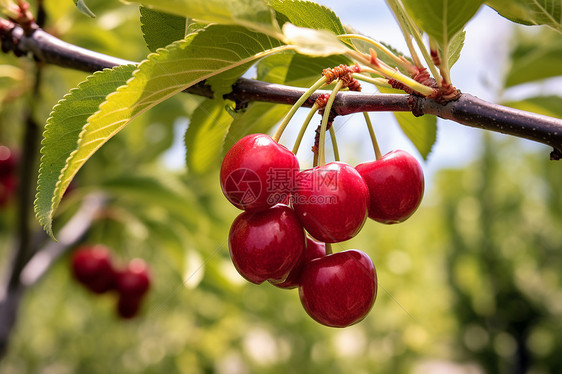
(62, 133)
(535, 57)
(82, 7)
(249, 13)
(160, 29)
(307, 14)
(442, 20)
(530, 12)
(546, 105)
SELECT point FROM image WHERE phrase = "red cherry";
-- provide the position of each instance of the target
(331, 201)
(266, 245)
(338, 290)
(396, 186)
(127, 306)
(312, 250)
(91, 266)
(8, 175)
(257, 172)
(134, 281)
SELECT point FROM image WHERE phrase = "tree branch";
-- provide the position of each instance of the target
(467, 110)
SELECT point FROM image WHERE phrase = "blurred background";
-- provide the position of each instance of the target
(469, 284)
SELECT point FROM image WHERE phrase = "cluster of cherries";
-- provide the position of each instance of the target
(8, 175)
(93, 267)
(267, 242)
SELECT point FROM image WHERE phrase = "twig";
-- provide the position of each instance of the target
(467, 110)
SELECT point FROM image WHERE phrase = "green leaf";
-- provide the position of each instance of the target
(422, 131)
(455, 47)
(313, 42)
(307, 14)
(161, 29)
(535, 57)
(548, 105)
(62, 132)
(254, 14)
(200, 56)
(442, 20)
(530, 12)
(83, 8)
(205, 136)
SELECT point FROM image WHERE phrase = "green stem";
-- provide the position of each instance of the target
(379, 82)
(304, 126)
(328, 247)
(334, 143)
(327, 110)
(378, 154)
(401, 61)
(319, 83)
(398, 76)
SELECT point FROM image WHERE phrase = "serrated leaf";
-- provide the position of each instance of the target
(205, 135)
(535, 57)
(83, 8)
(307, 14)
(422, 131)
(455, 47)
(200, 56)
(161, 29)
(442, 20)
(547, 105)
(530, 12)
(253, 14)
(62, 132)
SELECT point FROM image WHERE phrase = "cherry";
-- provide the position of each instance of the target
(91, 266)
(266, 245)
(313, 250)
(396, 186)
(257, 172)
(8, 177)
(331, 201)
(338, 290)
(134, 281)
(127, 306)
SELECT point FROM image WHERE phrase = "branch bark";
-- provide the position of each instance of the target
(467, 110)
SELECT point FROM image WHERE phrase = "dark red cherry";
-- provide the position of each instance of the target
(128, 306)
(338, 290)
(8, 174)
(266, 245)
(396, 186)
(134, 281)
(257, 173)
(91, 266)
(331, 201)
(312, 250)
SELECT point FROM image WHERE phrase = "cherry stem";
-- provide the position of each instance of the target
(304, 126)
(390, 73)
(334, 143)
(379, 82)
(328, 247)
(325, 118)
(401, 61)
(378, 154)
(319, 83)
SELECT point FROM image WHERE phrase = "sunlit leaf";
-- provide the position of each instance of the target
(530, 12)
(62, 133)
(160, 29)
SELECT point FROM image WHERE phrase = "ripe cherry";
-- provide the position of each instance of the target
(257, 172)
(396, 186)
(338, 290)
(127, 306)
(266, 245)
(134, 281)
(312, 250)
(8, 175)
(331, 201)
(91, 266)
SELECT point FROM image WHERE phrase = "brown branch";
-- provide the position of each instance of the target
(467, 110)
